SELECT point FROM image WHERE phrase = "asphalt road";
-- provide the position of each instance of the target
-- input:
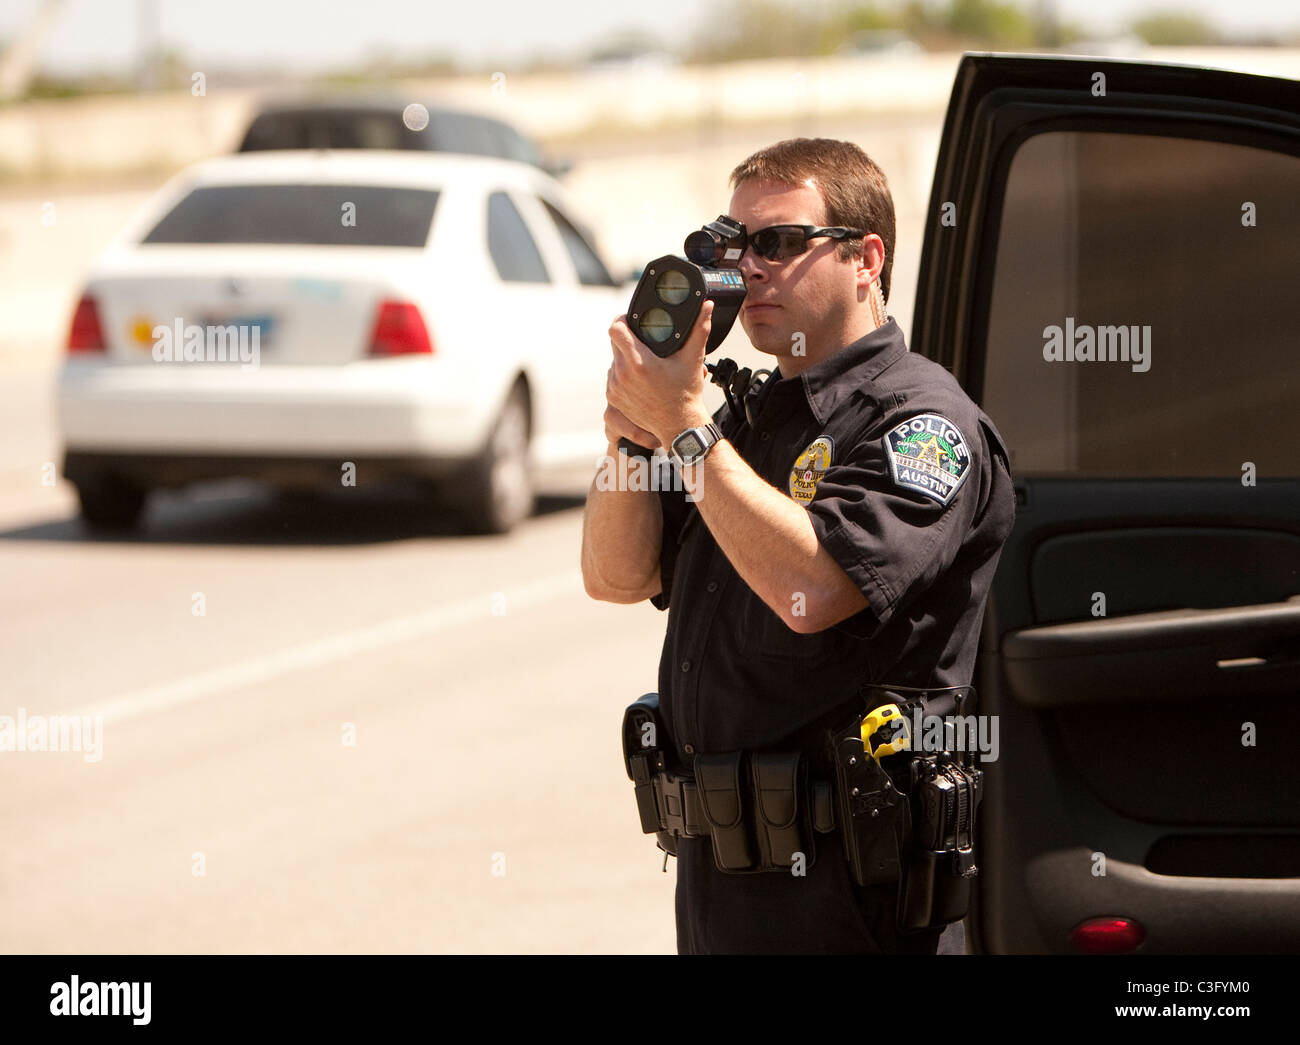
(482, 806)
(378, 736)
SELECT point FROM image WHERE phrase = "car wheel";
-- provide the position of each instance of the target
(499, 491)
(110, 503)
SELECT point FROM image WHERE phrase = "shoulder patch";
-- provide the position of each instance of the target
(928, 453)
(809, 467)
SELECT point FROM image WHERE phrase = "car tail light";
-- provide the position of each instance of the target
(1108, 935)
(399, 330)
(86, 334)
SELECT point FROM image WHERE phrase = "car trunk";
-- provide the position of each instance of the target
(283, 305)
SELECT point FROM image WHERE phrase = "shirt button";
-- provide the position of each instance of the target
(711, 586)
(688, 750)
(686, 665)
(766, 436)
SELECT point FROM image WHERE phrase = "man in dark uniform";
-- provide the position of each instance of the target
(848, 536)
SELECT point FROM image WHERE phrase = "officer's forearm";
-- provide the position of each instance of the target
(621, 535)
(770, 541)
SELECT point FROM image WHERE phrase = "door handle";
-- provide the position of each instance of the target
(1169, 655)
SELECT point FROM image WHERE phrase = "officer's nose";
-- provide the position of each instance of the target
(750, 267)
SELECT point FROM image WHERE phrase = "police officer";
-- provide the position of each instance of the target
(847, 536)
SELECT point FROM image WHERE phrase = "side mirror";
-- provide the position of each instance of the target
(557, 168)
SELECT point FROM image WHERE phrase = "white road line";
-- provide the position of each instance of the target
(335, 647)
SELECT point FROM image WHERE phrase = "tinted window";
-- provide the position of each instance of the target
(1178, 253)
(591, 270)
(516, 147)
(311, 214)
(511, 245)
(463, 133)
(326, 130)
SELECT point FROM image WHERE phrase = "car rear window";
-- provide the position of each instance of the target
(324, 215)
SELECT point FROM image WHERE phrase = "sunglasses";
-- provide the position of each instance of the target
(778, 242)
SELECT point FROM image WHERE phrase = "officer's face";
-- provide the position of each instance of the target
(809, 295)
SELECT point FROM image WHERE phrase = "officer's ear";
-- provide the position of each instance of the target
(871, 262)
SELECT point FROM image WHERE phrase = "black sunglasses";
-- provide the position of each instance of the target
(778, 242)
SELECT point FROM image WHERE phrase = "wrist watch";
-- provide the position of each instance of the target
(694, 444)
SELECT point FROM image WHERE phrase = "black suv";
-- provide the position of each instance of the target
(379, 123)
(1110, 269)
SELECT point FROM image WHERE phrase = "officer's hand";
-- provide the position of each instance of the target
(617, 426)
(663, 396)
(617, 423)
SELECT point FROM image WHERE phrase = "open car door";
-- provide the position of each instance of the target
(1112, 269)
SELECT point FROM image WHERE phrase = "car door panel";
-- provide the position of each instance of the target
(1098, 273)
(1156, 657)
(1143, 568)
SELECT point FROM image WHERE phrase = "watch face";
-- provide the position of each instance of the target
(689, 446)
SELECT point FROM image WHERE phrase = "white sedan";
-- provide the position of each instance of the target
(341, 317)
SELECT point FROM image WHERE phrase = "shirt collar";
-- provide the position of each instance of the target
(825, 385)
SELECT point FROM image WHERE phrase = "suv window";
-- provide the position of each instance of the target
(309, 214)
(511, 245)
(591, 270)
(465, 133)
(1098, 260)
(515, 146)
(327, 130)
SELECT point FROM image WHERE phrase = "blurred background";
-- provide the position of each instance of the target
(335, 720)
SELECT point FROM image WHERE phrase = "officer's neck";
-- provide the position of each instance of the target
(793, 365)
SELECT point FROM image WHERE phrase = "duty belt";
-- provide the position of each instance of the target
(903, 814)
(759, 808)
(677, 805)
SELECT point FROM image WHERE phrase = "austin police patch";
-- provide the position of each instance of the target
(928, 454)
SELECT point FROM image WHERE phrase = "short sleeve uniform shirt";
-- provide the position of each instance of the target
(906, 484)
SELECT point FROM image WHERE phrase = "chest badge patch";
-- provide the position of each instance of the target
(927, 453)
(809, 467)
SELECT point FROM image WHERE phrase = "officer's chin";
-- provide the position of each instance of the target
(765, 338)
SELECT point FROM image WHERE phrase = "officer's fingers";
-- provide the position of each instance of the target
(628, 359)
(629, 429)
(616, 383)
(628, 347)
(612, 391)
(621, 380)
(616, 395)
(621, 337)
(700, 332)
(617, 425)
(693, 351)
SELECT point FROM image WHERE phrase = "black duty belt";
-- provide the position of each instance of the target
(761, 809)
(904, 814)
(676, 806)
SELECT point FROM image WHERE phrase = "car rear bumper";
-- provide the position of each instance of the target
(152, 471)
(384, 409)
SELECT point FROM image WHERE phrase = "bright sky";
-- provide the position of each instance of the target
(304, 35)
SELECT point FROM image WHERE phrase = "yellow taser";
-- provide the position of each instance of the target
(885, 732)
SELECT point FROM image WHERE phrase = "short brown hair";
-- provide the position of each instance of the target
(854, 189)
